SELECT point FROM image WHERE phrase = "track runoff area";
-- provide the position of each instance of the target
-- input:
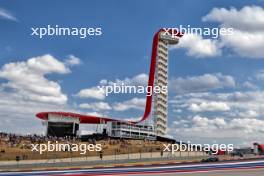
(253, 167)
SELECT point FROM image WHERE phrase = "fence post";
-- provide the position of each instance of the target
(115, 153)
(128, 153)
(180, 154)
(71, 157)
(17, 160)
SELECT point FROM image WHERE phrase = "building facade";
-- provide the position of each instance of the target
(130, 131)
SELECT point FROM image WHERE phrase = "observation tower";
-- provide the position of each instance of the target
(156, 108)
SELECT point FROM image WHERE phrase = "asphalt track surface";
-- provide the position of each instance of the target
(249, 172)
(242, 168)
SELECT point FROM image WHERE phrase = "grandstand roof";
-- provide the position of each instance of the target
(83, 118)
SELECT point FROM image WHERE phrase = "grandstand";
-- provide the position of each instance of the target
(12, 146)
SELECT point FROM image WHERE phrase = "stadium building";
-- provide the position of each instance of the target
(258, 149)
(154, 120)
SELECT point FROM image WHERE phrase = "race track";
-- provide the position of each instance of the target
(242, 168)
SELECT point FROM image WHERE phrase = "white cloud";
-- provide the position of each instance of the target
(4, 14)
(247, 125)
(199, 121)
(243, 125)
(96, 106)
(249, 85)
(43, 64)
(248, 24)
(248, 114)
(246, 43)
(209, 106)
(247, 18)
(198, 47)
(98, 114)
(202, 83)
(246, 40)
(134, 103)
(260, 75)
(72, 60)
(133, 119)
(93, 92)
(140, 79)
(27, 78)
(248, 104)
(237, 101)
(235, 131)
(100, 94)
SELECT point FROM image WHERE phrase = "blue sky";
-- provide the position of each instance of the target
(214, 90)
